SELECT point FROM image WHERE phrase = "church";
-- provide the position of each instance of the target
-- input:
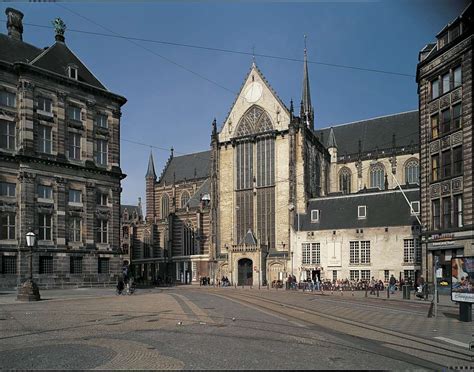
(274, 195)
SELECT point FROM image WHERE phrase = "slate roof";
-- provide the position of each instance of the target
(130, 209)
(383, 209)
(374, 133)
(187, 167)
(249, 238)
(150, 173)
(55, 59)
(195, 200)
(14, 50)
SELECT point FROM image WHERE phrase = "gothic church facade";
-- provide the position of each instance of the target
(236, 210)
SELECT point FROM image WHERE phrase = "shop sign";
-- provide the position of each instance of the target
(462, 283)
(438, 237)
(437, 244)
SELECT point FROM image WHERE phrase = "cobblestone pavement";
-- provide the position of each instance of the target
(202, 328)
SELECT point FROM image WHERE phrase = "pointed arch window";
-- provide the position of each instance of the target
(189, 247)
(255, 120)
(165, 206)
(377, 176)
(412, 172)
(184, 198)
(345, 176)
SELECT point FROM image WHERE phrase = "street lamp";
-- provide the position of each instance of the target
(29, 291)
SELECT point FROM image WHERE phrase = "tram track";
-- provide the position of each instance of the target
(394, 340)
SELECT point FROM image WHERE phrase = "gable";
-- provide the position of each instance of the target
(258, 93)
(58, 57)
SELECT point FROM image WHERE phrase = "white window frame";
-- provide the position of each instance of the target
(435, 92)
(10, 223)
(43, 197)
(360, 208)
(76, 111)
(415, 208)
(10, 98)
(73, 193)
(72, 72)
(101, 123)
(10, 189)
(75, 146)
(75, 230)
(103, 231)
(102, 152)
(10, 134)
(43, 106)
(315, 215)
(45, 143)
(43, 226)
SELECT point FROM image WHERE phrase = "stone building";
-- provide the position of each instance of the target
(59, 164)
(131, 221)
(178, 211)
(444, 77)
(266, 170)
(371, 160)
(371, 233)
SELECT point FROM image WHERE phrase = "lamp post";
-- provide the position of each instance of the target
(29, 291)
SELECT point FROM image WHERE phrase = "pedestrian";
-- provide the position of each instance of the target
(372, 286)
(392, 283)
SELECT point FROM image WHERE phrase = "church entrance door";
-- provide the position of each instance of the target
(245, 272)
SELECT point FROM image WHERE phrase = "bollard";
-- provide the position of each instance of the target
(235, 285)
(377, 291)
(365, 291)
(352, 290)
(388, 292)
(268, 287)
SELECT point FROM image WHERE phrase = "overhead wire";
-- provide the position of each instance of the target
(223, 50)
(133, 41)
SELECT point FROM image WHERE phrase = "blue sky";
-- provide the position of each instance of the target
(170, 107)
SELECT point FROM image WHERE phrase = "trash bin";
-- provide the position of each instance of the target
(406, 292)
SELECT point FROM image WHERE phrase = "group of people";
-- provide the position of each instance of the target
(224, 282)
(205, 280)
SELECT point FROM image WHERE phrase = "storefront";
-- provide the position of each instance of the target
(441, 248)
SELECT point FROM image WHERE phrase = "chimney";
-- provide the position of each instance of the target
(14, 23)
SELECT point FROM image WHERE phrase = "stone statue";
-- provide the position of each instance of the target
(59, 26)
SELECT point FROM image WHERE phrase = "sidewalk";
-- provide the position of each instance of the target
(8, 296)
(444, 300)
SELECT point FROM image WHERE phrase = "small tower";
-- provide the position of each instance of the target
(150, 179)
(332, 149)
(332, 146)
(307, 112)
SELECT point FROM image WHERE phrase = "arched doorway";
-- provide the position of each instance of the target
(245, 272)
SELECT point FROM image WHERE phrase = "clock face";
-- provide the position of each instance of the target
(253, 92)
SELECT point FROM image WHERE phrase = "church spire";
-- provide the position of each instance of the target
(151, 168)
(307, 109)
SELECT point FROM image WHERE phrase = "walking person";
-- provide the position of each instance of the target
(392, 283)
(372, 286)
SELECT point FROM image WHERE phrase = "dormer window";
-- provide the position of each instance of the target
(443, 40)
(72, 72)
(415, 208)
(315, 215)
(454, 32)
(361, 212)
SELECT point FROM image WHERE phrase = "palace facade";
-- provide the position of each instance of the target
(59, 164)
